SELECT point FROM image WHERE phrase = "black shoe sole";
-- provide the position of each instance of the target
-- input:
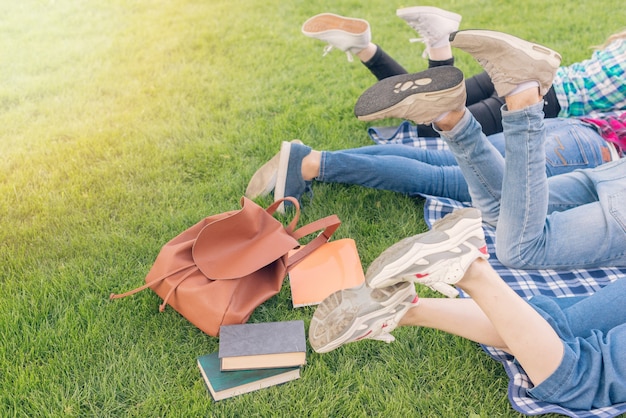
(393, 90)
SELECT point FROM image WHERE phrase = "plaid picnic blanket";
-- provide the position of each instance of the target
(525, 282)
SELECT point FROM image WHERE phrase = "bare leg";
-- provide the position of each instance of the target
(461, 317)
(528, 336)
(367, 53)
(495, 316)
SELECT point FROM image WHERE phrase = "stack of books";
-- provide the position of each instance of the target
(254, 356)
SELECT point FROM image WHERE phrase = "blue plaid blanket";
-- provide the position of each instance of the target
(525, 282)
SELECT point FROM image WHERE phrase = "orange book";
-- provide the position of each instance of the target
(333, 266)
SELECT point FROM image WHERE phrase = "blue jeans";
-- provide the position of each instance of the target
(572, 220)
(412, 170)
(592, 373)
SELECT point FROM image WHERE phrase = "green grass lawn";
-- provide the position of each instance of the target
(125, 121)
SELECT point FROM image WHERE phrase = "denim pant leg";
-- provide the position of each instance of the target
(603, 310)
(480, 162)
(570, 145)
(592, 373)
(524, 204)
(586, 236)
(398, 168)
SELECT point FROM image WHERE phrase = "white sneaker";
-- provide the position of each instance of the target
(348, 34)
(360, 313)
(433, 24)
(437, 258)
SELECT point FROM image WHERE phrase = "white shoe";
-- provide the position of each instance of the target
(348, 34)
(433, 24)
(360, 313)
(437, 258)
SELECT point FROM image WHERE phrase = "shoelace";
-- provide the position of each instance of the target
(426, 36)
(329, 48)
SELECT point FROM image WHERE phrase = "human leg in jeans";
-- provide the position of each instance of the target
(398, 168)
(516, 196)
(415, 170)
(527, 234)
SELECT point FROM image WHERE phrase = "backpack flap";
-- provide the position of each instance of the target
(241, 243)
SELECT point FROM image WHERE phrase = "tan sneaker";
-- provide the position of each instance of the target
(509, 61)
(419, 97)
(350, 35)
(263, 180)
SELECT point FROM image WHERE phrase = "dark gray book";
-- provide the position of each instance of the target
(262, 345)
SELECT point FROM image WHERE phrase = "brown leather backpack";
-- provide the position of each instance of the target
(222, 268)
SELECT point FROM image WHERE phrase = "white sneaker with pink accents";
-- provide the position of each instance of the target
(437, 258)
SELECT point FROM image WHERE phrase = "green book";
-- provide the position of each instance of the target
(224, 385)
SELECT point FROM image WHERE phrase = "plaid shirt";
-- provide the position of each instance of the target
(597, 84)
(612, 127)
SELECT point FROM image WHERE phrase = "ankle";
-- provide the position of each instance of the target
(440, 53)
(367, 53)
(523, 99)
(410, 318)
(474, 275)
(449, 120)
(311, 165)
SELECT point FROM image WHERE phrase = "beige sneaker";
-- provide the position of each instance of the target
(419, 97)
(263, 180)
(350, 35)
(509, 61)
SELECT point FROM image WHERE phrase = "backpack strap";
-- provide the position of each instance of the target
(272, 208)
(328, 225)
(152, 283)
